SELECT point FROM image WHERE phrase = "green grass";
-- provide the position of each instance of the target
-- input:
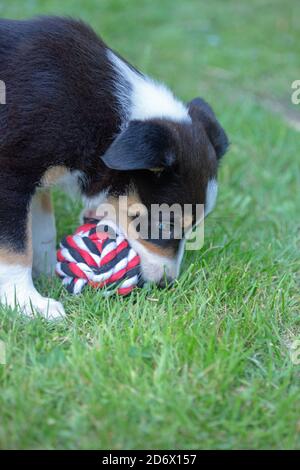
(206, 364)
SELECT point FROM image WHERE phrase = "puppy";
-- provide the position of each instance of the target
(79, 114)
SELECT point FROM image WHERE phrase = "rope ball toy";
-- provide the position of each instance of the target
(98, 255)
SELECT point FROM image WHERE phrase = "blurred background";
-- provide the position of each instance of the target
(211, 47)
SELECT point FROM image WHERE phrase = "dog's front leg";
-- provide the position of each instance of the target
(16, 286)
(43, 234)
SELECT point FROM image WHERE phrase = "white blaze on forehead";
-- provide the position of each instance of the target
(211, 195)
(149, 99)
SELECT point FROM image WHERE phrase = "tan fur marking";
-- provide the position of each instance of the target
(8, 256)
(53, 175)
(45, 201)
(164, 252)
(124, 213)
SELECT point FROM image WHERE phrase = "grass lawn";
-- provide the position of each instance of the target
(207, 364)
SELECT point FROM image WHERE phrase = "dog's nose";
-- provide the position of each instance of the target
(166, 281)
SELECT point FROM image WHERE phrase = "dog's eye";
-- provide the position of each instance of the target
(134, 215)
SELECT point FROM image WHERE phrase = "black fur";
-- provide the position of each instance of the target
(201, 111)
(143, 145)
(61, 109)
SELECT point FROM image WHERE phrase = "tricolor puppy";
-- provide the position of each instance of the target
(77, 113)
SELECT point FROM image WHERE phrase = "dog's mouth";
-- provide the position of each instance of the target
(155, 268)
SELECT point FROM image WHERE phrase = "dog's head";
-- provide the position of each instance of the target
(160, 161)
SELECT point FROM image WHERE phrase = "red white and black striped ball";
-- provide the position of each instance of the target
(98, 255)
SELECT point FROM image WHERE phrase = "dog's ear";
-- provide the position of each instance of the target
(143, 145)
(199, 110)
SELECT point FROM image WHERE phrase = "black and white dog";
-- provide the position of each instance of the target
(77, 113)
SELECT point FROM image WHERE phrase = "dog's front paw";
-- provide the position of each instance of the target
(33, 304)
(49, 308)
